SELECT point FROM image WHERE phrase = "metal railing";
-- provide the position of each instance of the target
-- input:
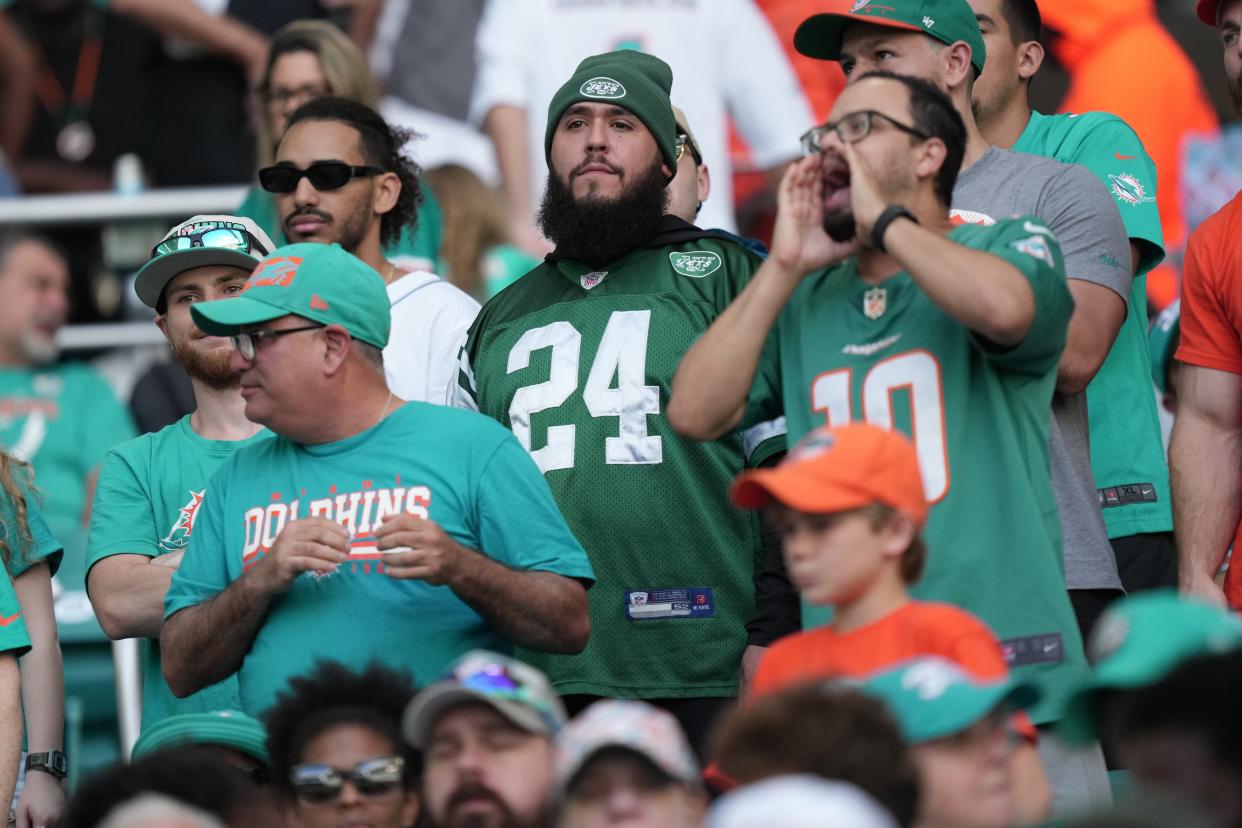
(112, 209)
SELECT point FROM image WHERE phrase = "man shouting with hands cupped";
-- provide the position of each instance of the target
(874, 307)
(368, 528)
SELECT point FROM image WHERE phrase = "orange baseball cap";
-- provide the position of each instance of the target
(838, 469)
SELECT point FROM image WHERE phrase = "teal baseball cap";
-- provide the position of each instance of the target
(319, 282)
(200, 241)
(932, 697)
(223, 728)
(819, 36)
(1138, 641)
(1162, 339)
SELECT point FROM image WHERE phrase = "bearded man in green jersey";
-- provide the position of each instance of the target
(1127, 454)
(886, 312)
(577, 357)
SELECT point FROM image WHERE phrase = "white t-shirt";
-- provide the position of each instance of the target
(430, 318)
(724, 57)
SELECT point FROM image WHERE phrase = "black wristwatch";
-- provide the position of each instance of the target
(53, 762)
(891, 213)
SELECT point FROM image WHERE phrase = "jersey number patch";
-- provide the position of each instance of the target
(615, 387)
(917, 373)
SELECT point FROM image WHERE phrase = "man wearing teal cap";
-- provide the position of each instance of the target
(368, 528)
(960, 737)
(1127, 453)
(577, 357)
(1139, 641)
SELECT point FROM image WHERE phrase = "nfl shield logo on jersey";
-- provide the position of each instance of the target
(875, 302)
(590, 280)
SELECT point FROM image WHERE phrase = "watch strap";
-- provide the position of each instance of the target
(51, 762)
(891, 213)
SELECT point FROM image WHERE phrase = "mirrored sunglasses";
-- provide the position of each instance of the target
(323, 783)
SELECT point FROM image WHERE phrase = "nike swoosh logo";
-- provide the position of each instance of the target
(1121, 157)
(4, 622)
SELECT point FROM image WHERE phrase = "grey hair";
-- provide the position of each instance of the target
(371, 355)
(152, 810)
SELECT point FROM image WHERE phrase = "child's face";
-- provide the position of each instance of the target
(832, 558)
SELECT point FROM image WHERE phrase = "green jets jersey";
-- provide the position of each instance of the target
(578, 362)
(1127, 454)
(978, 414)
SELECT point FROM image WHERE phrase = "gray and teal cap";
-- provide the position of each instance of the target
(632, 80)
(949, 21)
(221, 728)
(319, 282)
(1138, 641)
(1162, 339)
(514, 689)
(932, 697)
(200, 241)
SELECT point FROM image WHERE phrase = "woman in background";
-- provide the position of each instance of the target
(477, 254)
(31, 556)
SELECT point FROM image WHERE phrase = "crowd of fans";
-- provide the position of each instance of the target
(866, 523)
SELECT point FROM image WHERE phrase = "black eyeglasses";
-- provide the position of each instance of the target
(248, 343)
(683, 144)
(323, 783)
(323, 175)
(851, 129)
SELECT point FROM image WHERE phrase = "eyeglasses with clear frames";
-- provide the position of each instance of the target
(851, 129)
(247, 343)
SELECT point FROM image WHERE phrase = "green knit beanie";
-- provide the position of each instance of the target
(634, 80)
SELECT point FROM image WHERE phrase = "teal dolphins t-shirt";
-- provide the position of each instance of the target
(1127, 453)
(61, 419)
(38, 545)
(147, 503)
(457, 468)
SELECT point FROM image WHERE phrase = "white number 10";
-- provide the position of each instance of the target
(919, 373)
(615, 387)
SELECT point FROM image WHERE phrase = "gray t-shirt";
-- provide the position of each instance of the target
(1081, 214)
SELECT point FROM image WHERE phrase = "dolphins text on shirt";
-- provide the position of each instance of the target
(361, 512)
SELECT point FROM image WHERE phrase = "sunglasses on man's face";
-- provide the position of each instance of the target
(323, 175)
(323, 783)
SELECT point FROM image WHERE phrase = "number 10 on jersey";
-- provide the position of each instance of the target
(615, 387)
(916, 372)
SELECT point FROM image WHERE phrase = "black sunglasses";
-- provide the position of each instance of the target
(323, 175)
(323, 783)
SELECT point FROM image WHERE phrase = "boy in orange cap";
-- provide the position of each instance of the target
(849, 505)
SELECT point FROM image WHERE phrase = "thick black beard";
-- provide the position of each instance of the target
(839, 225)
(595, 230)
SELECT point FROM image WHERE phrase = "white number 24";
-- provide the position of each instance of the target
(621, 357)
(919, 373)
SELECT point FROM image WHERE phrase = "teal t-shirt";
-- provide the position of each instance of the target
(422, 247)
(846, 350)
(42, 544)
(455, 467)
(61, 419)
(13, 638)
(1127, 454)
(146, 503)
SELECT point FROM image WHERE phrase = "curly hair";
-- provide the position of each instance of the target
(380, 145)
(15, 481)
(825, 728)
(332, 695)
